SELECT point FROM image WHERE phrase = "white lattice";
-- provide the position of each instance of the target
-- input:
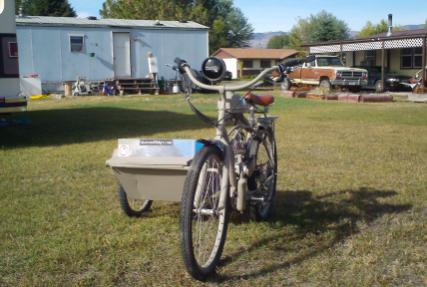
(365, 46)
(325, 49)
(362, 46)
(404, 43)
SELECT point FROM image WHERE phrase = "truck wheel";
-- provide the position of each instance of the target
(325, 84)
(286, 85)
(379, 86)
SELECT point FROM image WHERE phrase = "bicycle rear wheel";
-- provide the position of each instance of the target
(204, 218)
(264, 178)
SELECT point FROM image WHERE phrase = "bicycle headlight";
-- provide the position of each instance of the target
(214, 69)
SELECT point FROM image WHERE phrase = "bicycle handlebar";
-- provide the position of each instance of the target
(185, 68)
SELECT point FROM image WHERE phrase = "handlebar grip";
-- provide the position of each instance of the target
(181, 63)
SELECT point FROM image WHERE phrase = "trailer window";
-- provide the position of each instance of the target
(76, 44)
(8, 56)
(1, 6)
(13, 49)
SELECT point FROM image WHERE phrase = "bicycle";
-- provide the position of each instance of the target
(236, 170)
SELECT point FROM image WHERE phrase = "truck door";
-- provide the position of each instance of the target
(308, 73)
(295, 75)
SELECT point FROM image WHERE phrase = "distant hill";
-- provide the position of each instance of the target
(260, 40)
(414, 27)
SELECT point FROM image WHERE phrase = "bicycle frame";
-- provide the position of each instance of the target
(237, 188)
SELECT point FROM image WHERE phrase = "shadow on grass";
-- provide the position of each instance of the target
(68, 126)
(336, 213)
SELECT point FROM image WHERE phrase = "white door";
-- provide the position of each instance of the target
(122, 63)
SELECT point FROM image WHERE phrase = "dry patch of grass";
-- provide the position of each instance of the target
(351, 207)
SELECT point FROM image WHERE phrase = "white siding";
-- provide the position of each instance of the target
(232, 67)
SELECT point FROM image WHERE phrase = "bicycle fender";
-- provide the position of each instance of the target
(216, 143)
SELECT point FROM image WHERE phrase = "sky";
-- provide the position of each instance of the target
(281, 15)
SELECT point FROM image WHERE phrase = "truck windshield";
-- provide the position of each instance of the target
(329, 61)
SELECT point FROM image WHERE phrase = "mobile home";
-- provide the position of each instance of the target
(60, 49)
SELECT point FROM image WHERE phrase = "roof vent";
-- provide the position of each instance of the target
(390, 25)
(157, 23)
(92, 18)
(183, 21)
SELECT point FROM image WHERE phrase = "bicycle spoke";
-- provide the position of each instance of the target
(264, 178)
(206, 216)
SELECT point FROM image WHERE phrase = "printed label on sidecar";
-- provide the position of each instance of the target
(154, 142)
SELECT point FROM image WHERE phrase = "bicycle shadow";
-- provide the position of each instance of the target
(338, 213)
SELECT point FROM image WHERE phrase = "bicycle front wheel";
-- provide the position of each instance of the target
(204, 216)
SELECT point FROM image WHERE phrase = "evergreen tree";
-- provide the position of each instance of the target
(228, 26)
(56, 8)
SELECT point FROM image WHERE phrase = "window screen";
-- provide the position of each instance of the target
(76, 43)
(418, 58)
(406, 58)
(247, 64)
(265, 64)
(411, 58)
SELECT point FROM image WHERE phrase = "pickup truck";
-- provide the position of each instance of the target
(326, 72)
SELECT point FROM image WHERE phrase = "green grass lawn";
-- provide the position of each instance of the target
(351, 208)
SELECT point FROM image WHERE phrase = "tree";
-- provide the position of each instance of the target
(278, 42)
(239, 31)
(321, 27)
(370, 29)
(56, 8)
(228, 26)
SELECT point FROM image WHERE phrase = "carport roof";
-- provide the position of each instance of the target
(398, 39)
(119, 23)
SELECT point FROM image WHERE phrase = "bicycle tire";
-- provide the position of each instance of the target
(264, 210)
(194, 200)
(128, 208)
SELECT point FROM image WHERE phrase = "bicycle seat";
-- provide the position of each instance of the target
(261, 100)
